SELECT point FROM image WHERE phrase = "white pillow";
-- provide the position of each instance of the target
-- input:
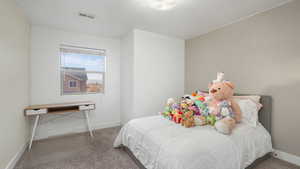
(254, 98)
(249, 112)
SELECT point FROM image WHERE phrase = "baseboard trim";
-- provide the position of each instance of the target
(80, 129)
(287, 157)
(12, 163)
(107, 125)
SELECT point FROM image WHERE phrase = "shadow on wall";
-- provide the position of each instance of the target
(286, 116)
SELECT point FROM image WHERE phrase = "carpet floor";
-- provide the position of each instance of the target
(79, 151)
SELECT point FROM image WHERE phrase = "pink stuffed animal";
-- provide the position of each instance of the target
(221, 91)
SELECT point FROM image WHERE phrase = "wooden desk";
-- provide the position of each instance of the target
(37, 110)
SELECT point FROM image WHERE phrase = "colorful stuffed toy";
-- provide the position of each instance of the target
(177, 116)
(224, 112)
(200, 120)
(188, 119)
(211, 119)
(169, 109)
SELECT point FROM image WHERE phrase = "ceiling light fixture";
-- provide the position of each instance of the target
(162, 4)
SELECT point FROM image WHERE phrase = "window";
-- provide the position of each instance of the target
(72, 83)
(82, 70)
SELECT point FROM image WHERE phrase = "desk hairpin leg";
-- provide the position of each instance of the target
(37, 117)
(86, 112)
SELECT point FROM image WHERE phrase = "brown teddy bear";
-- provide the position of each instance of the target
(223, 106)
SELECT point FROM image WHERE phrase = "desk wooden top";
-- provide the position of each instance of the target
(68, 104)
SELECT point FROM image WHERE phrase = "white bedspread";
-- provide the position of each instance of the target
(161, 144)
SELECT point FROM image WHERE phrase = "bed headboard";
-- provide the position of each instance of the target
(265, 113)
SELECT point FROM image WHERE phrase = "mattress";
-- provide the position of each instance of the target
(161, 144)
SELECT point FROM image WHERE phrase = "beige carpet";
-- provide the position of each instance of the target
(78, 151)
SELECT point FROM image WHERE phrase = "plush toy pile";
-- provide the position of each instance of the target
(217, 108)
(191, 110)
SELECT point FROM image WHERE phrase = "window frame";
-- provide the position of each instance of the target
(97, 72)
(70, 82)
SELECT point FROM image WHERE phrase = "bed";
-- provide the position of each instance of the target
(157, 143)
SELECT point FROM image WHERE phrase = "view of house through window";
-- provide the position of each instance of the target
(82, 70)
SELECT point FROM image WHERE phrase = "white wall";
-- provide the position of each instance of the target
(14, 86)
(45, 81)
(158, 72)
(127, 54)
